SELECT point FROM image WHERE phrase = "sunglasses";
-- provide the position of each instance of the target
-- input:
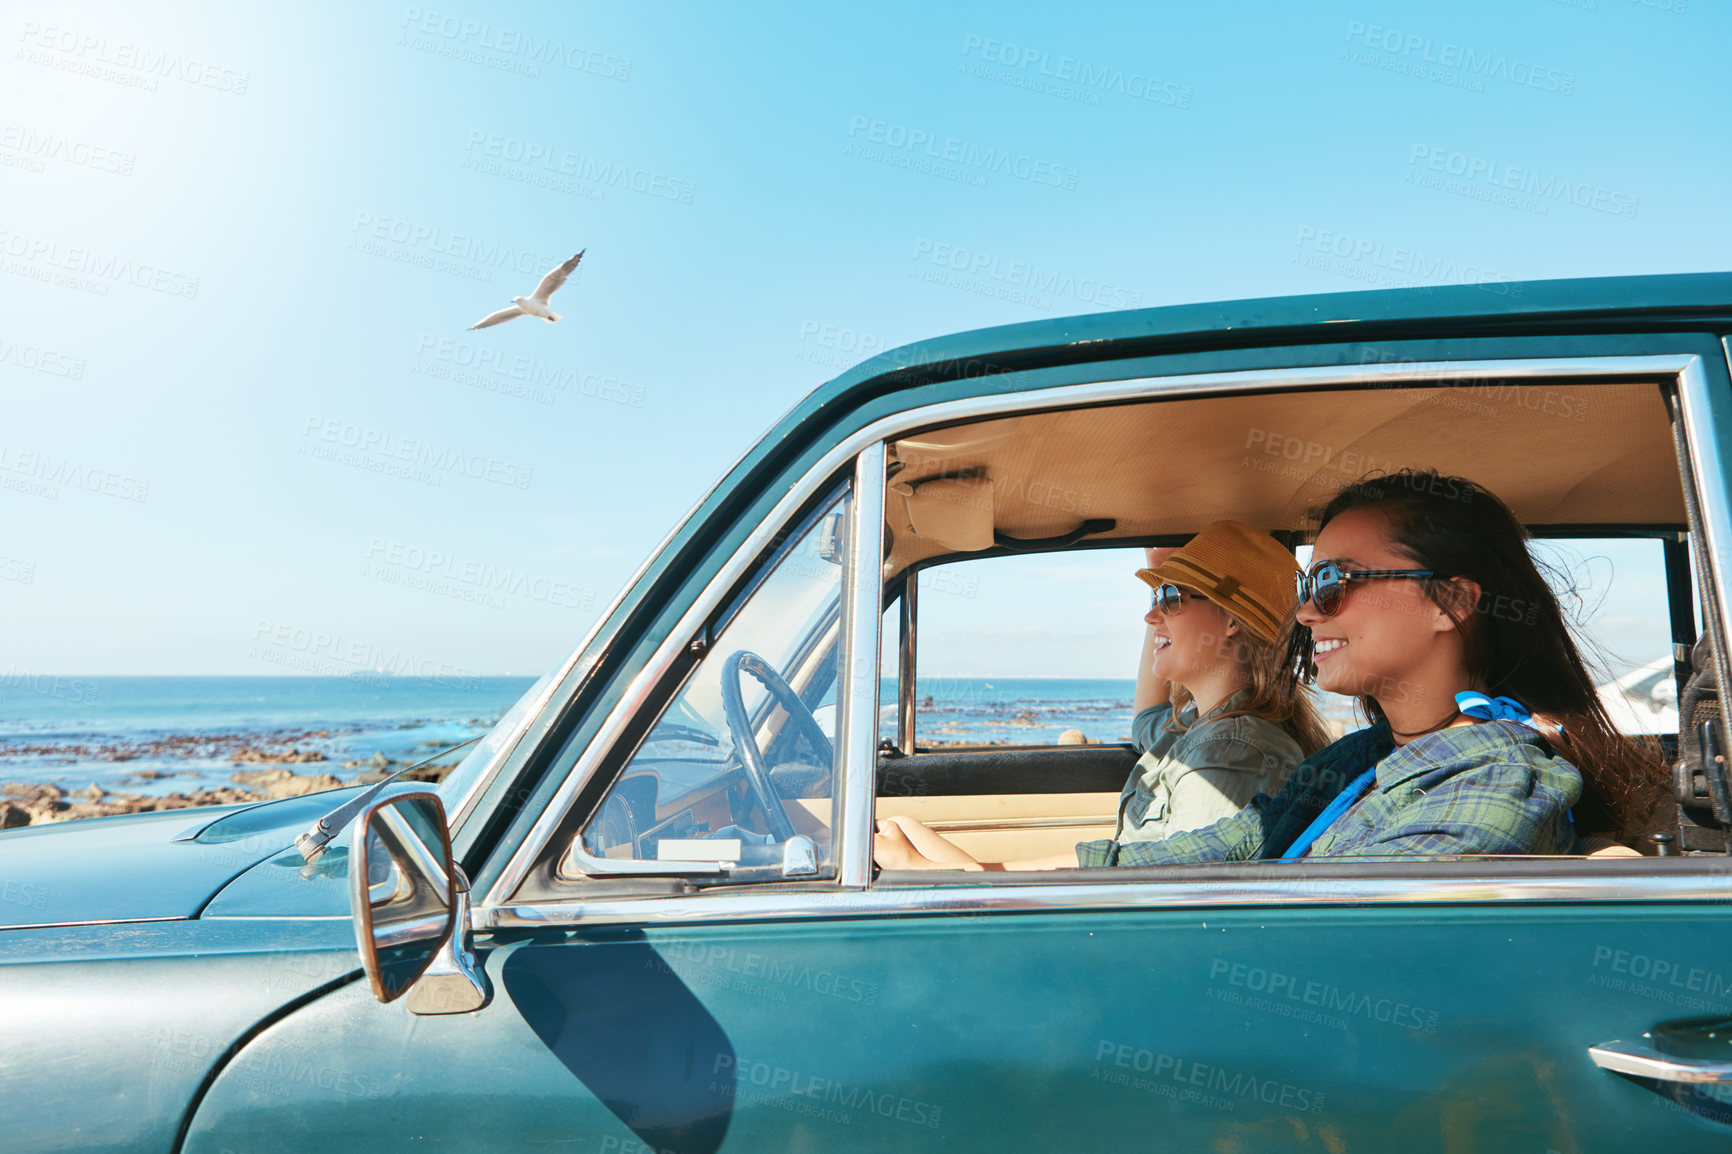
(1326, 584)
(1169, 598)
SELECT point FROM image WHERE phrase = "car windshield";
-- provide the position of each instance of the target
(727, 728)
(467, 774)
(792, 614)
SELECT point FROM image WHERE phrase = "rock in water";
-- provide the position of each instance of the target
(292, 756)
(285, 782)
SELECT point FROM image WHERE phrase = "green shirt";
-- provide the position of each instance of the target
(1491, 788)
(1194, 777)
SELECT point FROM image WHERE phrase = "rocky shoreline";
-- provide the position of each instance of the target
(24, 803)
(212, 746)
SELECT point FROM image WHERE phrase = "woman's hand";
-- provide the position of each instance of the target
(1157, 556)
(892, 850)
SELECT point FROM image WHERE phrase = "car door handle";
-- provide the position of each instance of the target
(1646, 1062)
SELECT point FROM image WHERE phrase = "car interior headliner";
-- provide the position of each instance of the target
(1559, 452)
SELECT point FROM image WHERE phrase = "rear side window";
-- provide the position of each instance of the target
(1613, 593)
(1025, 649)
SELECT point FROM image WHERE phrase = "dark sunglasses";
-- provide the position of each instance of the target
(1326, 584)
(1169, 598)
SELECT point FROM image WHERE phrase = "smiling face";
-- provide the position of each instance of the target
(1197, 643)
(1388, 640)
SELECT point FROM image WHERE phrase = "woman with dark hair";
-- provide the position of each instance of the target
(1423, 602)
(1515, 644)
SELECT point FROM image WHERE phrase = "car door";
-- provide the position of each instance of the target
(1431, 1005)
(1332, 1006)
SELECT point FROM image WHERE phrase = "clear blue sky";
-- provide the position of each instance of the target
(235, 239)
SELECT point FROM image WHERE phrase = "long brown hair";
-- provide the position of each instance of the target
(1515, 641)
(1276, 693)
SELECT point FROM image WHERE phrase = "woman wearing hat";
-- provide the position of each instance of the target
(1219, 719)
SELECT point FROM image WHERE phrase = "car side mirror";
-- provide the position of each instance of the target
(400, 888)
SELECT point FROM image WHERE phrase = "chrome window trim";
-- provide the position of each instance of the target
(1054, 897)
(905, 653)
(1036, 400)
(857, 713)
(1696, 408)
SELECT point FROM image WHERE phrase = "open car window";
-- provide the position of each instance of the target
(1613, 590)
(1163, 469)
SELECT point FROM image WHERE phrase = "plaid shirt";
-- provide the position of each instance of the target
(1490, 788)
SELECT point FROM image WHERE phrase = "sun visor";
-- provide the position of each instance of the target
(956, 512)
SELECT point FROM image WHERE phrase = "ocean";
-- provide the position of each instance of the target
(1034, 710)
(1014, 710)
(161, 735)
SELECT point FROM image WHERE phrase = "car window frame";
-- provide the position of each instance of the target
(1702, 416)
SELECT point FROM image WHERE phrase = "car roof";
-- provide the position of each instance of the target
(1673, 300)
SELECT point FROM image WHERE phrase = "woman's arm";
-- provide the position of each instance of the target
(1236, 838)
(932, 846)
(892, 850)
(1152, 689)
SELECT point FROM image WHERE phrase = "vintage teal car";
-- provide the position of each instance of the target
(642, 914)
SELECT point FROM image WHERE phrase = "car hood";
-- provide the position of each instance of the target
(142, 867)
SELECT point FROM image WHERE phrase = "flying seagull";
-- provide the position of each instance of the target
(534, 305)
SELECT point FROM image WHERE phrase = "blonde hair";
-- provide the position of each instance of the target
(1276, 693)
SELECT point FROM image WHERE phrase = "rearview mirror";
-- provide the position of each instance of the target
(400, 888)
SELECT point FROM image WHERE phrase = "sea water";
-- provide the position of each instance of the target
(89, 730)
(99, 730)
(1035, 710)
(1012, 710)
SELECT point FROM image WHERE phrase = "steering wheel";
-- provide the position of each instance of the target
(751, 757)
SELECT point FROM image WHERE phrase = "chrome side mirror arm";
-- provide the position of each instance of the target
(317, 837)
(452, 984)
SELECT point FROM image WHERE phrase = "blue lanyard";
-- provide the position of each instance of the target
(1335, 809)
(1494, 708)
(1503, 709)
